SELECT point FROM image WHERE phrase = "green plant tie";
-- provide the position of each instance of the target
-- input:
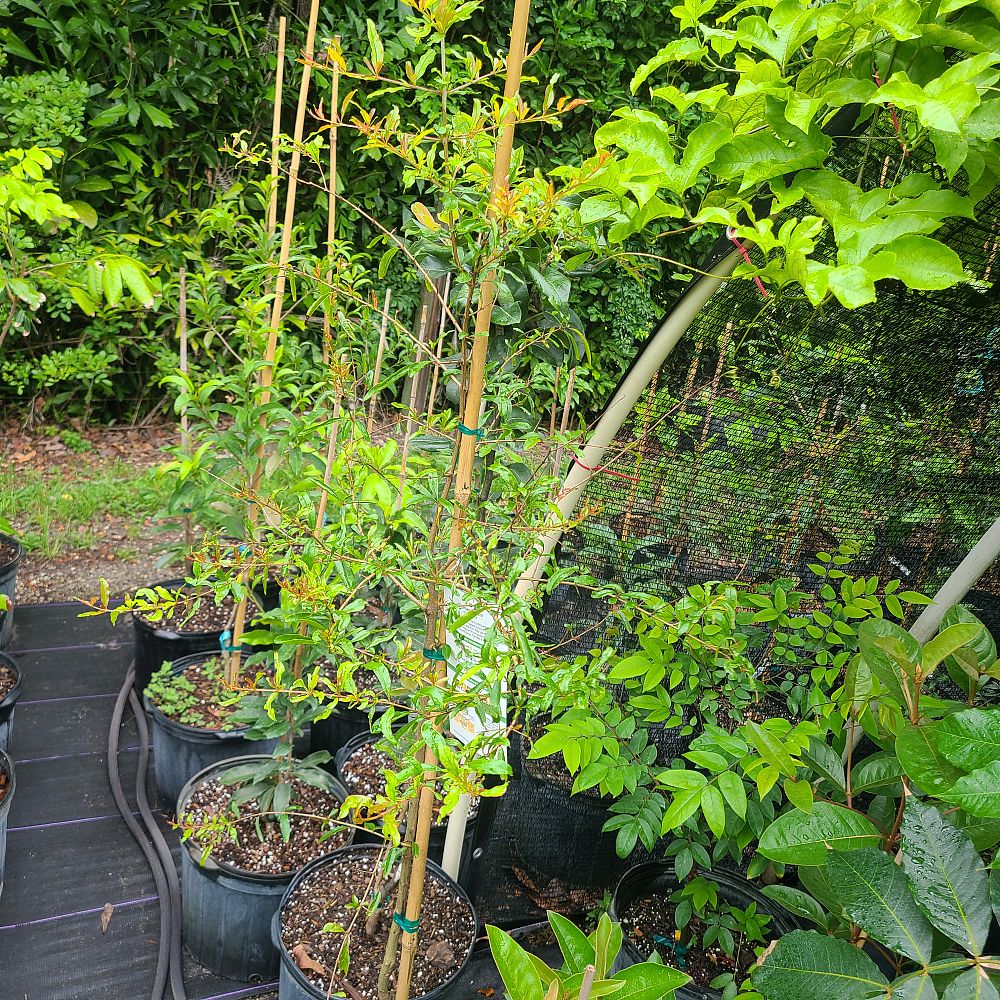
(224, 642)
(410, 926)
(433, 654)
(472, 431)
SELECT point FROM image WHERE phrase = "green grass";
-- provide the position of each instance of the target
(69, 508)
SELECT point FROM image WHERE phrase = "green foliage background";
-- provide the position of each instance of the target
(140, 96)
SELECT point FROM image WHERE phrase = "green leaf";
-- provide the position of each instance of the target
(577, 951)
(876, 772)
(798, 902)
(809, 964)
(821, 757)
(649, 981)
(876, 895)
(713, 806)
(797, 838)
(977, 793)
(918, 987)
(921, 759)
(949, 883)
(944, 644)
(519, 975)
(892, 655)
(973, 984)
(734, 792)
(800, 794)
(770, 748)
(969, 739)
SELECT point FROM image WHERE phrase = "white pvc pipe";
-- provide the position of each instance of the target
(451, 862)
(666, 338)
(982, 555)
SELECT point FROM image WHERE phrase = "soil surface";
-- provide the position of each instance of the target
(8, 553)
(127, 558)
(196, 695)
(328, 896)
(206, 617)
(4, 782)
(209, 808)
(649, 923)
(364, 774)
(8, 678)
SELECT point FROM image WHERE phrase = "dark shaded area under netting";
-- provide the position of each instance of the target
(775, 431)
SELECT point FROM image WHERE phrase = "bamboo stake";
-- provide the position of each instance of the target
(564, 421)
(279, 80)
(331, 203)
(465, 458)
(377, 374)
(182, 332)
(438, 349)
(267, 372)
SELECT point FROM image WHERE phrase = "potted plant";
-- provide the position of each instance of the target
(334, 922)
(196, 722)
(11, 554)
(10, 691)
(711, 926)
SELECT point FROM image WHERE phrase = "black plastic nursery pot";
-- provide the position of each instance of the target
(227, 912)
(7, 767)
(435, 847)
(8, 585)
(181, 751)
(292, 982)
(8, 702)
(157, 643)
(560, 835)
(657, 877)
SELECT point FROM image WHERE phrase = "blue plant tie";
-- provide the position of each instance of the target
(224, 642)
(410, 926)
(433, 654)
(679, 950)
(242, 549)
(472, 431)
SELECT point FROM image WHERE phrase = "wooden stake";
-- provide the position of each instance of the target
(279, 79)
(267, 371)
(439, 348)
(331, 204)
(182, 332)
(377, 374)
(465, 458)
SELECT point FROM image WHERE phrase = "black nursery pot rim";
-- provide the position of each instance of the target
(195, 734)
(333, 857)
(18, 553)
(638, 881)
(155, 628)
(208, 865)
(6, 660)
(7, 766)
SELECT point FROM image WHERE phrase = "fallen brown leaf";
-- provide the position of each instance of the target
(109, 908)
(487, 991)
(25, 456)
(306, 962)
(440, 954)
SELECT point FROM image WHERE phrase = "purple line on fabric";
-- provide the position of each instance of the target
(77, 913)
(66, 822)
(73, 697)
(247, 991)
(67, 756)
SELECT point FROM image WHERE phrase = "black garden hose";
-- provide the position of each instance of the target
(161, 847)
(150, 841)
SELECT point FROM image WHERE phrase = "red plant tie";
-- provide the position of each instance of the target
(610, 472)
(731, 234)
